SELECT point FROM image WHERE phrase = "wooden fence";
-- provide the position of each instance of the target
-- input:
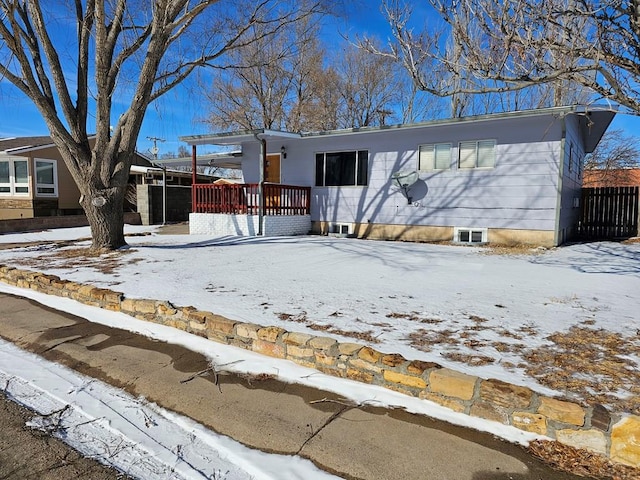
(608, 213)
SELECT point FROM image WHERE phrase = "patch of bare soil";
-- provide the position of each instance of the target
(581, 462)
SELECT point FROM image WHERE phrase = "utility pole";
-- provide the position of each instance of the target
(154, 152)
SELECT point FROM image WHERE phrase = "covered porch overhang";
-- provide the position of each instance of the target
(252, 199)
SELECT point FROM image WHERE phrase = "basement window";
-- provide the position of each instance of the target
(470, 235)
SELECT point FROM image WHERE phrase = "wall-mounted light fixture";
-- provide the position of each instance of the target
(283, 152)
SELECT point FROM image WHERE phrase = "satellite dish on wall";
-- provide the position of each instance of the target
(405, 180)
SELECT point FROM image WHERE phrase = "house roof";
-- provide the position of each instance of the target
(21, 145)
(17, 144)
(238, 137)
(221, 160)
(593, 120)
(144, 170)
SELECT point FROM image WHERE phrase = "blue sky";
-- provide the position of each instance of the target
(181, 111)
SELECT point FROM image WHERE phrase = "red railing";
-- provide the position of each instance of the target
(244, 199)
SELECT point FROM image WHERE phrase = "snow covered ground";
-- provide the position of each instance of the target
(149, 442)
(423, 301)
(462, 307)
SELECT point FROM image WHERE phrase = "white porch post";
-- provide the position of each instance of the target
(263, 159)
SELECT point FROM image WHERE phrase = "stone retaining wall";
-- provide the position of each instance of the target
(591, 427)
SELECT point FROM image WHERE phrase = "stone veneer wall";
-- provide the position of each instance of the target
(590, 427)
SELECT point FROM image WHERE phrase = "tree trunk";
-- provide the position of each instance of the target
(104, 210)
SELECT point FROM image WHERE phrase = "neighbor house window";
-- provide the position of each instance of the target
(14, 177)
(46, 181)
(434, 156)
(342, 168)
(480, 154)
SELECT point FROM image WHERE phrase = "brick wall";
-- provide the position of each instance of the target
(247, 225)
(590, 427)
(16, 203)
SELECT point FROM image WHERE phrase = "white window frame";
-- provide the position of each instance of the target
(472, 151)
(430, 154)
(9, 183)
(54, 185)
(13, 184)
(472, 233)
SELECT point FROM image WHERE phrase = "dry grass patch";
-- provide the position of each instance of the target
(55, 256)
(469, 359)
(580, 462)
(424, 340)
(597, 366)
(365, 336)
(291, 317)
(414, 317)
(519, 249)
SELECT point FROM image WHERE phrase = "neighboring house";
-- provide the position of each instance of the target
(502, 178)
(612, 177)
(34, 181)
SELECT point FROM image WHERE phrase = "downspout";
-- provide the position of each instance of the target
(263, 156)
(194, 177)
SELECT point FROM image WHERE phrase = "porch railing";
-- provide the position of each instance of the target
(243, 199)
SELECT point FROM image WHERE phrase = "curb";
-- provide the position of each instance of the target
(590, 427)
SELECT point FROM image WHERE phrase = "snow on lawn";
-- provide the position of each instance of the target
(562, 320)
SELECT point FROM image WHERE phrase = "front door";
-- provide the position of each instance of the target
(272, 168)
(272, 175)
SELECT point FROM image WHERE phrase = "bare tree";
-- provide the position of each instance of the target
(252, 93)
(613, 158)
(367, 88)
(514, 44)
(74, 58)
(281, 83)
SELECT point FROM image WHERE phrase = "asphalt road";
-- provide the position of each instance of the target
(27, 454)
(352, 442)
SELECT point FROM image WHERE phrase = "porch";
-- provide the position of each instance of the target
(244, 199)
(245, 209)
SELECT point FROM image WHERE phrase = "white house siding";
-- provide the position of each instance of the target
(571, 184)
(520, 192)
(530, 188)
